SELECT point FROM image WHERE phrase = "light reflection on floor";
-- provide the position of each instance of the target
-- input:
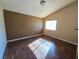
(40, 48)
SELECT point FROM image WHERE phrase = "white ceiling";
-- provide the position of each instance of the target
(33, 7)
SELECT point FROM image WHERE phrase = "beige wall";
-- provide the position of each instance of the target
(20, 25)
(3, 40)
(66, 24)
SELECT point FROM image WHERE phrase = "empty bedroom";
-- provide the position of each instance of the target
(38, 29)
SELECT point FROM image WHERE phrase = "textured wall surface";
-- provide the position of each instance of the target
(2, 33)
(66, 24)
(20, 25)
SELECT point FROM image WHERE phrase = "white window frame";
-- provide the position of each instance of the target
(51, 25)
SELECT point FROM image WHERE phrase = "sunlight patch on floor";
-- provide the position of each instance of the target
(40, 48)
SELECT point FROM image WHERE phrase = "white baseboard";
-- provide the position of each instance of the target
(24, 38)
(64, 40)
(69, 41)
(39, 35)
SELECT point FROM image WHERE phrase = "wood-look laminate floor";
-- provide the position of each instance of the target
(20, 49)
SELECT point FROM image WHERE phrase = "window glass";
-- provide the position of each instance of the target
(51, 25)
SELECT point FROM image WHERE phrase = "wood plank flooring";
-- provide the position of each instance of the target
(20, 49)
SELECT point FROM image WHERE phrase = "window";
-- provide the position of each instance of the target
(51, 25)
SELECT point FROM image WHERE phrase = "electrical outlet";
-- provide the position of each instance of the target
(32, 33)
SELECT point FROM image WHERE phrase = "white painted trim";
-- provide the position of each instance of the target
(64, 40)
(24, 38)
(69, 41)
